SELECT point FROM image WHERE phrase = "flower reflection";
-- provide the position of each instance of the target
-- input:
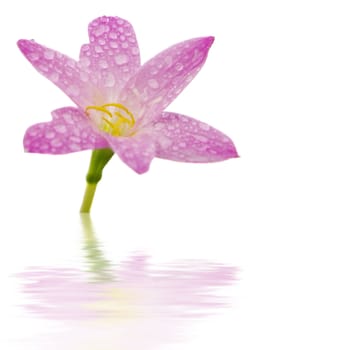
(132, 304)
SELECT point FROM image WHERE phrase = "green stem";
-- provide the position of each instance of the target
(88, 197)
(99, 158)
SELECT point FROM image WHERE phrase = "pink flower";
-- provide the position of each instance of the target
(120, 104)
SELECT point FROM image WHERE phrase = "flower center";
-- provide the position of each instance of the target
(113, 118)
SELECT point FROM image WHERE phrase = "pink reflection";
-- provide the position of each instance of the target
(131, 305)
(138, 289)
(141, 307)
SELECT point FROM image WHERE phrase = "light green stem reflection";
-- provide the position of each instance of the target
(97, 263)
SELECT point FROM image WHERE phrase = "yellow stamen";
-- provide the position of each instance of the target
(122, 107)
(101, 109)
(114, 118)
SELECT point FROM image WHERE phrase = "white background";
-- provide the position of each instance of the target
(277, 81)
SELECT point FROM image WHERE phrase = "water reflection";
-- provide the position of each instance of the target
(129, 305)
(100, 267)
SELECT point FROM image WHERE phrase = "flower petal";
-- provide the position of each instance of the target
(136, 151)
(185, 139)
(61, 70)
(161, 79)
(69, 131)
(112, 54)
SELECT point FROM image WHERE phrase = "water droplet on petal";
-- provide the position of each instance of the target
(113, 44)
(61, 129)
(54, 77)
(159, 126)
(74, 147)
(168, 60)
(49, 54)
(85, 62)
(44, 147)
(201, 138)
(135, 50)
(56, 143)
(103, 64)
(49, 134)
(68, 118)
(121, 59)
(73, 90)
(153, 83)
(179, 66)
(34, 56)
(101, 29)
(84, 77)
(154, 71)
(204, 126)
(98, 49)
(43, 68)
(113, 35)
(109, 80)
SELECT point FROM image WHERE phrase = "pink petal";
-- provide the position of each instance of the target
(136, 151)
(160, 80)
(112, 55)
(61, 70)
(69, 131)
(185, 139)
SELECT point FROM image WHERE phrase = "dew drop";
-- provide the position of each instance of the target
(56, 143)
(101, 29)
(49, 54)
(135, 51)
(168, 60)
(43, 68)
(84, 77)
(153, 83)
(74, 139)
(49, 134)
(74, 147)
(121, 59)
(85, 61)
(68, 118)
(179, 66)
(61, 129)
(201, 138)
(73, 90)
(154, 71)
(113, 44)
(44, 147)
(54, 77)
(113, 35)
(34, 56)
(159, 126)
(103, 64)
(203, 126)
(109, 80)
(98, 49)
